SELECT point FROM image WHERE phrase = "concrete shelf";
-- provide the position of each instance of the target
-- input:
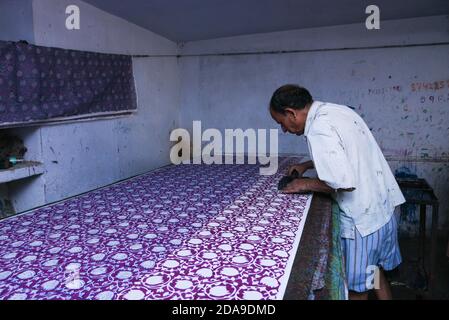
(20, 171)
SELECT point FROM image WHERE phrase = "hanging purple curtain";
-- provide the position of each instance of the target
(41, 84)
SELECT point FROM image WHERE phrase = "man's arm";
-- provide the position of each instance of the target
(301, 168)
(310, 185)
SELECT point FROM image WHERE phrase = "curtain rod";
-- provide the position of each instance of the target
(292, 51)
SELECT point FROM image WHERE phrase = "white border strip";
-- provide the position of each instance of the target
(106, 115)
(292, 253)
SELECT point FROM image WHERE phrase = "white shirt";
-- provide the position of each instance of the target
(346, 155)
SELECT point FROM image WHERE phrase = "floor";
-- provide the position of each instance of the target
(409, 282)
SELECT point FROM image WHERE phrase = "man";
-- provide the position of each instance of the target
(351, 167)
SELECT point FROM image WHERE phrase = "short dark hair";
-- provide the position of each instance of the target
(290, 96)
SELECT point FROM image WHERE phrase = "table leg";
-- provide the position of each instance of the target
(433, 249)
(422, 233)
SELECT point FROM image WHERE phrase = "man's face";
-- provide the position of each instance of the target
(292, 121)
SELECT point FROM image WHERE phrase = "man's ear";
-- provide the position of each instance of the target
(290, 112)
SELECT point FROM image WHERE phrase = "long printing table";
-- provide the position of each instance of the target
(178, 232)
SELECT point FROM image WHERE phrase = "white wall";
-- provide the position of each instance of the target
(85, 155)
(406, 31)
(16, 20)
(233, 91)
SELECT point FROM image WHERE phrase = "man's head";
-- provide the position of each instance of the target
(289, 107)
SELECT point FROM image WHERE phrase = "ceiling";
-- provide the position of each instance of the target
(191, 20)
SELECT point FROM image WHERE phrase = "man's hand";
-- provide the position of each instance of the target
(297, 186)
(298, 167)
(304, 185)
(301, 168)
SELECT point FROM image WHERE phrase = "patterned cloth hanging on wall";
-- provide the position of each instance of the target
(42, 84)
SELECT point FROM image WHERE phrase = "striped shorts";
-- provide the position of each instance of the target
(364, 254)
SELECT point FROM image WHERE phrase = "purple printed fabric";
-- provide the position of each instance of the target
(180, 232)
(41, 84)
